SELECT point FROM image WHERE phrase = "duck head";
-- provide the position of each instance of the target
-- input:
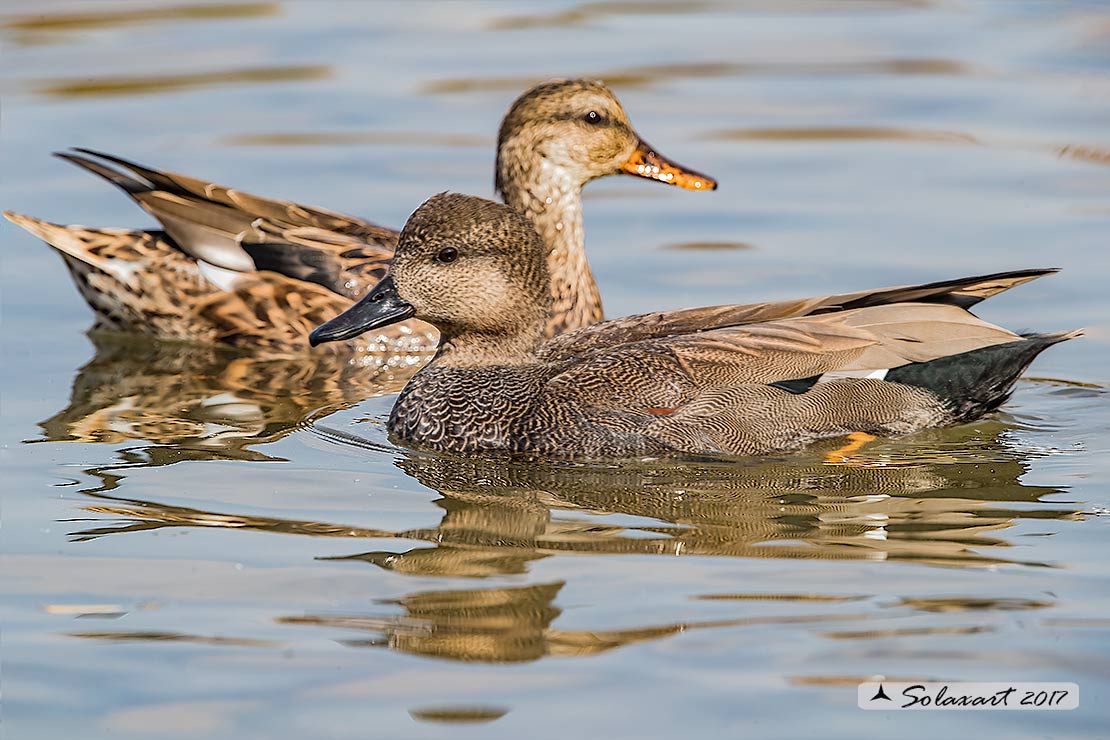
(468, 266)
(577, 131)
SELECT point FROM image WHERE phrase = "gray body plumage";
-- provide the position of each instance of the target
(736, 379)
(521, 411)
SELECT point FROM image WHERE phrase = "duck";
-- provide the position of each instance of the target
(232, 268)
(735, 380)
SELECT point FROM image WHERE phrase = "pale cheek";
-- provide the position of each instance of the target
(574, 157)
(485, 302)
(615, 149)
(491, 300)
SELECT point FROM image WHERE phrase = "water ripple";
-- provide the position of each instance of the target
(120, 85)
(645, 76)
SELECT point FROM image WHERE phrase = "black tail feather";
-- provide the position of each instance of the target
(977, 382)
(124, 182)
(298, 262)
(963, 292)
(159, 179)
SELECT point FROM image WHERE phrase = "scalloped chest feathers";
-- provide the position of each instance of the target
(467, 409)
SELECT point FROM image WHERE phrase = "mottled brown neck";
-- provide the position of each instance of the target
(477, 350)
(552, 200)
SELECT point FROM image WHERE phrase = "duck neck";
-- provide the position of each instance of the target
(472, 350)
(552, 200)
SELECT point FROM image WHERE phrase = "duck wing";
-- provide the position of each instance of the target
(266, 311)
(962, 293)
(139, 281)
(661, 374)
(239, 231)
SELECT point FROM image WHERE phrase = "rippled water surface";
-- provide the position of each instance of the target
(209, 545)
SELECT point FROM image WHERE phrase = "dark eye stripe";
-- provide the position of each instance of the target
(594, 118)
(604, 120)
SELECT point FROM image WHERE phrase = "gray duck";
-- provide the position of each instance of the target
(736, 379)
(233, 268)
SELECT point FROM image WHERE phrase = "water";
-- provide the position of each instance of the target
(194, 546)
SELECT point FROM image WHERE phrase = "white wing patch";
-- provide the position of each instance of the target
(876, 374)
(221, 277)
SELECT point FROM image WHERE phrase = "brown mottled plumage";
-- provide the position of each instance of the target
(238, 269)
(724, 379)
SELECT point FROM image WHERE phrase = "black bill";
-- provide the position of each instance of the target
(380, 307)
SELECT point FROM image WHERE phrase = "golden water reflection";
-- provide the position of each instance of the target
(653, 75)
(459, 715)
(510, 625)
(105, 18)
(589, 12)
(1090, 154)
(117, 85)
(204, 402)
(705, 246)
(498, 516)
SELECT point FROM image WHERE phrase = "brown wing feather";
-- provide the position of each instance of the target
(671, 371)
(271, 311)
(962, 292)
(138, 281)
(918, 332)
(213, 223)
(274, 209)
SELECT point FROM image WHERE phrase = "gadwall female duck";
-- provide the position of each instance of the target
(238, 269)
(740, 380)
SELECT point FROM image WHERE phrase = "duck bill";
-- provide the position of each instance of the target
(380, 307)
(646, 162)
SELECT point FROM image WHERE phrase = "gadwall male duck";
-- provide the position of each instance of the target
(740, 379)
(235, 268)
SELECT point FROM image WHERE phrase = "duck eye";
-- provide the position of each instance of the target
(593, 118)
(447, 254)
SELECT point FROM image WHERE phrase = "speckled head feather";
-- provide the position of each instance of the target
(580, 128)
(467, 264)
(576, 125)
(474, 269)
(557, 137)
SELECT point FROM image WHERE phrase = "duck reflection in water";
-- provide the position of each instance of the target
(509, 625)
(498, 517)
(206, 402)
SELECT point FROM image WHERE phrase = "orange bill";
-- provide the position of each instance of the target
(646, 162)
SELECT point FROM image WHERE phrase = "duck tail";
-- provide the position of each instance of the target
(38, 227)
(124, 182)
(69, 240)
(963, 292)
(977, 382)
(77, 242)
